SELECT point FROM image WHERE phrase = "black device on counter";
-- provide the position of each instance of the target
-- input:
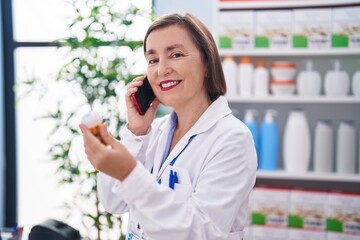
(143, 97)
(53, 230)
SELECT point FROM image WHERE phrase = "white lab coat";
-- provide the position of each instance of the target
(217, 172)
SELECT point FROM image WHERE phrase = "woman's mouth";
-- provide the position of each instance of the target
(168, 84)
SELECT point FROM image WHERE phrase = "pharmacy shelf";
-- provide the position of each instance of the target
(241, 4)
(290, 52)
(296, 99)
(309, 176)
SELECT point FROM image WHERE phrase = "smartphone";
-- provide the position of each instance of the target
(143, 97)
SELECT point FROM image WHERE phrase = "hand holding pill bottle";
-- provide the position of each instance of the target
(93, 121)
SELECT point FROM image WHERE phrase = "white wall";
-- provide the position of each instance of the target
(203, 9)
(2, 153)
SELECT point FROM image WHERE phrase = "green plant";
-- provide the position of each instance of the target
(100, 61)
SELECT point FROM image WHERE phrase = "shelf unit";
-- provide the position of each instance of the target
(310, 176)
(296, 99)
(317, 107)
(290, 52)
(236, 4)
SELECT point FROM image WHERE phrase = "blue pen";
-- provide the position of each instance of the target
(176, 180)
(171, 179)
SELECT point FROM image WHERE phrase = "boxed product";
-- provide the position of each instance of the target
(344, 213)
(302, 234)
(312, 28)
(270, 207)
(236, 29)
(346, 27)
(268, 233)
(341, 236)
(273, 29)
(307, 210)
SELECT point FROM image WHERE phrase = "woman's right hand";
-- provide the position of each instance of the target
(137, 123)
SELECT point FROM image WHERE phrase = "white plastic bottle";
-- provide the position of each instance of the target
(297, 142)
(230, 69)
(358, 153)
(337, 81)
(356, 83)
(323, 147)
(309, 81)
(245, 76)
(346, 148)
(250, 121)
(261, 79)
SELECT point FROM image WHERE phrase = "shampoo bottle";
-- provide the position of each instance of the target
(245, 76)
(346, 148)
(269, 142)
(309, 81)
(251, 123)
(337, 81)
(230, 69)
(261, 79)
(297, 142)
(356, 83)
(323, 147)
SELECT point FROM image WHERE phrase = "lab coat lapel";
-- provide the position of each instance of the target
(165, 129)
(211, 116)
(176, 151)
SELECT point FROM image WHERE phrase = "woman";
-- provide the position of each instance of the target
(186, 175)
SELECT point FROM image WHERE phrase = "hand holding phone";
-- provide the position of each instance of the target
(143, 97)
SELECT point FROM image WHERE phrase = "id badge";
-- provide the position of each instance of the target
(135, 232)
(132, 236)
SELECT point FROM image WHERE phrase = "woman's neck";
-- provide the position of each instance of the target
(187, 116)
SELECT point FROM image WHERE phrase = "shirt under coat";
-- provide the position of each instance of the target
(220, 162)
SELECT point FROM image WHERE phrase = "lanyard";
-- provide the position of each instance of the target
(173, 175)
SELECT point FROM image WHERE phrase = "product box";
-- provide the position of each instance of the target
(341, 236)
(302, 234)
(236, 29)
(312, 28)
(268, 233)
(343, 214)
(269, 207)
(308, 210)
(346, 27)
(273, 29)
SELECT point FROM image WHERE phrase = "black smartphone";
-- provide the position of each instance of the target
(143, 97)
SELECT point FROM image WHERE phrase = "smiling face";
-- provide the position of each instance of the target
(176, 70)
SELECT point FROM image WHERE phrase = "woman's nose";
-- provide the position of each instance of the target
(163, 68)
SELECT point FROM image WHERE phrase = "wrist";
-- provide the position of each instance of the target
(126, 170)
(138, 131)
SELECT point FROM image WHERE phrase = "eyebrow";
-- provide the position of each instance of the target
(168, 49)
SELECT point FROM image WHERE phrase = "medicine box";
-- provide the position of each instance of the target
(236, 29)
(341, 236)
(268, 233)
(270, 207)
(312, 28)
(346, 27)
(343, 214)
(273, 29)
(308, 210)
(302, 234)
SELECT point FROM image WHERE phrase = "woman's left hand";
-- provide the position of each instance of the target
(109, 156)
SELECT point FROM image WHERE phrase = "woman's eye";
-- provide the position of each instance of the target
(177, 55)
(152, 61)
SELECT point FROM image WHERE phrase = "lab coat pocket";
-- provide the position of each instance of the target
(182, 192)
